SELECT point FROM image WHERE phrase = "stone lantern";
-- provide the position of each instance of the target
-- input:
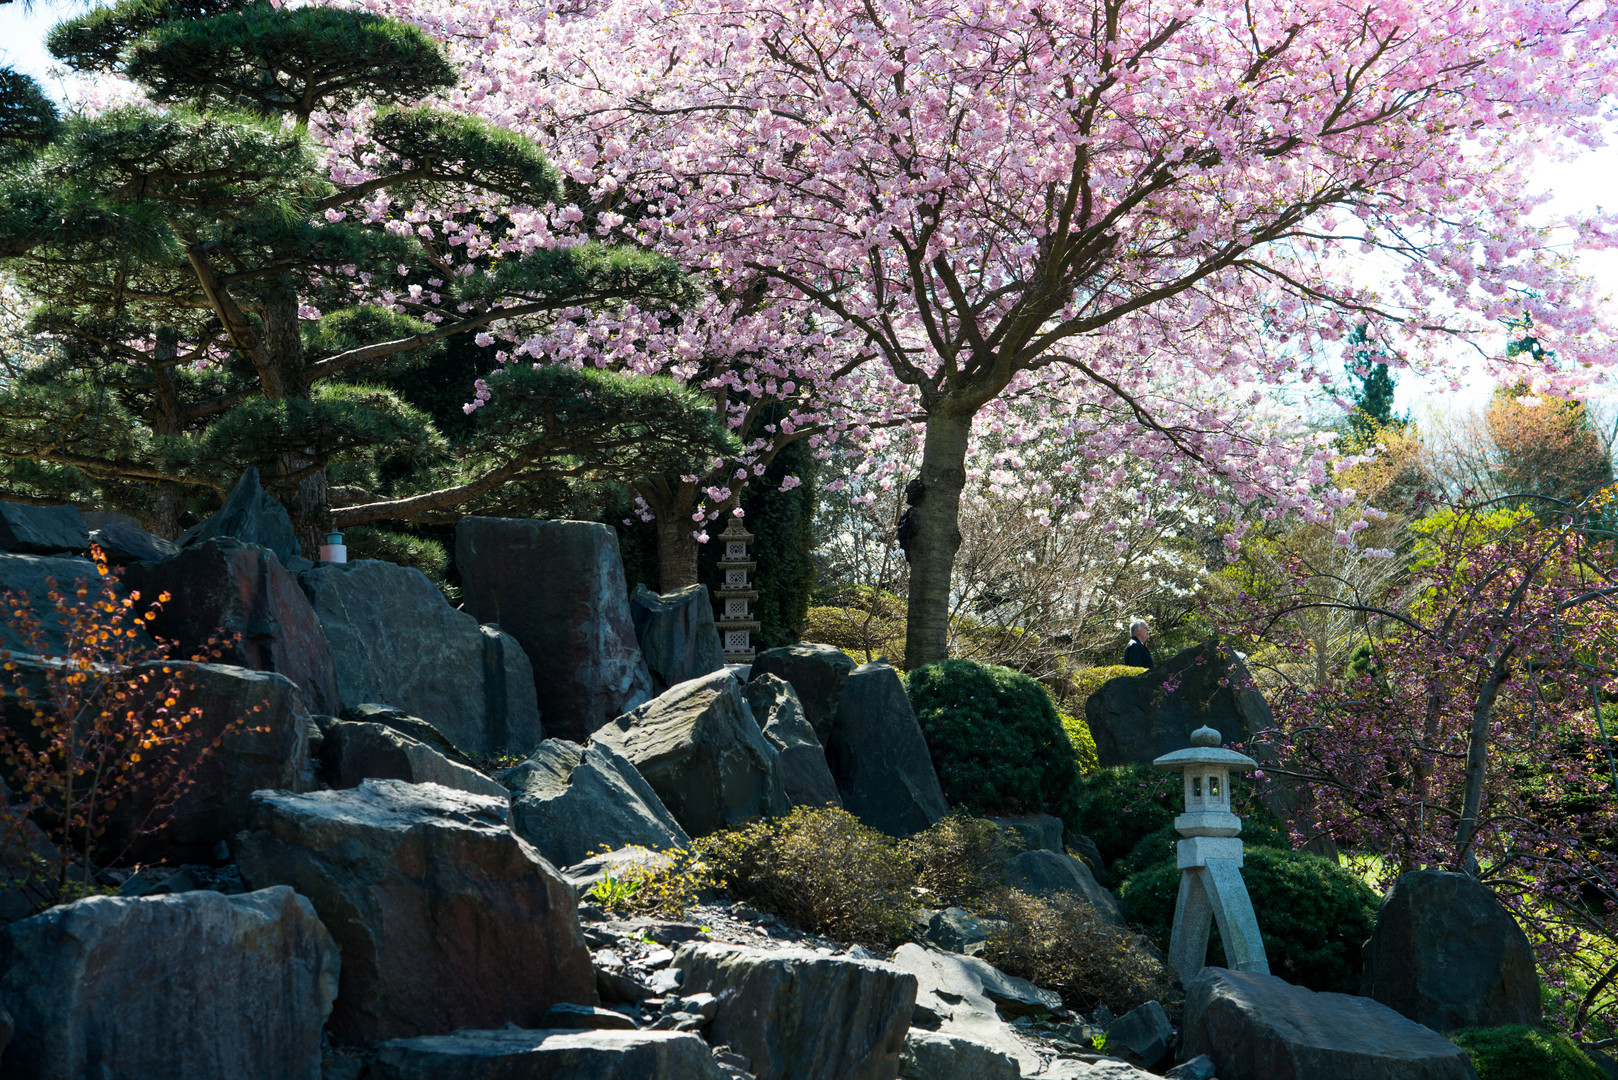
(1210, 860)
(736, 625)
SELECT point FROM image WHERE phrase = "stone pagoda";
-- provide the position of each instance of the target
(736, 625)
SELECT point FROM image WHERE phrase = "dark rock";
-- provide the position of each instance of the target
(1087, 852)
(355, 752)
(677, 634)
(956, 930)
(586, 875)
(27, 857)
(934, 1055)
(548, 1055)
(1135, 720)
(802, 1016)
(1446, 954)
(224, 586)
(804, 772)
(1200, 1067)
(445, 918)
(700, 749)
(616, 987)
(558, 588)
(952, 993)
(817, 674)
(878, 755)
(413, 726)
(1259, 1027)
(1038, 832)
(123, 543)
(1141, 1036)
(42, 530)
(1605, 1062)
(395, 639)
(31, 575)
(1045, 873)
(586, 1018)
(191, 987)
(252, 516)
(570, 801)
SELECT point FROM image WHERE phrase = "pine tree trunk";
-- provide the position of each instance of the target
(938, 535)
(306, 502)
(676, 552)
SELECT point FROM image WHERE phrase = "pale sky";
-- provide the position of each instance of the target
(1577, 187)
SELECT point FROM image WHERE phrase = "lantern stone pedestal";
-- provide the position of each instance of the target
(1210, 861)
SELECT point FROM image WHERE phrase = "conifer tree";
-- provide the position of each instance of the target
(222, 297)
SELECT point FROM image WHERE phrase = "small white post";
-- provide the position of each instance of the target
(334, 550)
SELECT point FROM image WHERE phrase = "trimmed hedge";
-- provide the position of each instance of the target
(1519, 1053)
(1120, 805)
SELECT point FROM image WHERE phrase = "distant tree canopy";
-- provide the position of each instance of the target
(1547, 445)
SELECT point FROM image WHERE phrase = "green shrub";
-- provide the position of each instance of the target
(958, 860)
(1157, 848)
(1314, 915)
(1083, 682)
(1520, 1053)
(428, 556)
(994, 738)
(1118, 806)
(1083, 743)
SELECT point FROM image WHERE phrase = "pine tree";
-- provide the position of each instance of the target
(220, 301)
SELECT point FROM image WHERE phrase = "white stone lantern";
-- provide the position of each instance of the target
(736, 624)
(1210, 860)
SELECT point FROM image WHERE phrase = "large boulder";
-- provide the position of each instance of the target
(1045, 873)
(677, 634)
(570, 801)
(193, 986)
(1259, 1027)
(1036, 832)
(395, 639)
(878, 755)
(251, 515)
(1136, 719)
(817, 674)
(224, 586)
(31, 576)
(799, 1015)
(42, 530)
(804, 772)
(558, 588)
(445, 918)
(123, 543)
(547, 1055)
(1446, 954)
(699, 747)
(954, 994)
(27, 858)
(352, 753)
(936, 1055)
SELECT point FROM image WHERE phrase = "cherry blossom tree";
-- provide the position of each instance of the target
(1147, 209)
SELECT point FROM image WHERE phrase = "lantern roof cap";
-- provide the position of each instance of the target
(735, 531)
(1204, 750)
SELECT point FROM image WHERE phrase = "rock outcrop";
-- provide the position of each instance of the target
(547, 1055)
(700, 749)
(196, 986)
(1447, 955)
(395, 639)
(804, 772)
(1037, 832)
(558, 588)
(1259, 1027)
(1141, 1036)
(798, 1015)
(816, 673)
(936, 1055)
(32, 575)
(352, 753)
(677, 634)
(1134, 720)
(953, 994)
(252, 516)
(124, 543)
(1044, 873)
(445, 918)
(42, 530)
(242, 589)
(878, 755)
(570, 801)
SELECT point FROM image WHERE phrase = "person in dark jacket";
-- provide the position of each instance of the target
(1136, 654)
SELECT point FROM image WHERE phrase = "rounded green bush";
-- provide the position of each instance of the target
(995, 739)
(1120, 805)
(1157, 848)
(1519, 1053)
(1314, 915)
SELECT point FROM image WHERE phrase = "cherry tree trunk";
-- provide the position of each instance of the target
(938, 535)
(676, 551)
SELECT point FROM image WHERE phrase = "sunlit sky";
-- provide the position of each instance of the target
(1579, 187)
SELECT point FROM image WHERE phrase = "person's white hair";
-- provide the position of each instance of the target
(1136, 625)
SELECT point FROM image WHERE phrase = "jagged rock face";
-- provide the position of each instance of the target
(1037, 832)
(1447, 955)
(558, 588)
(355, 752)
(879, 757)
(31, 575)
(1044, 873)
(548, 1055)
(804, 772)
(799, 1015)
(935, 1055)
(570, 801)
(123, 543)
(250, 515)
(445, 918)
(1134, 721)
(42, 530)
(816, 673)
(1142, 1035)
(959, 995)
(196, 986)
(224, 585)
(700, 749)
(395, 639)
(1259, 1027)
(677, 634)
